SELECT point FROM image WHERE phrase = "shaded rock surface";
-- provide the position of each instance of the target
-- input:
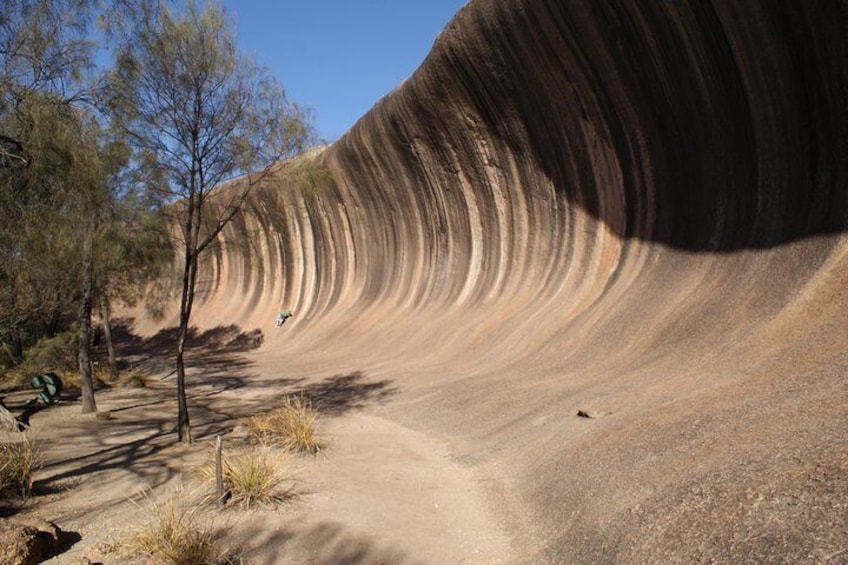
(627, 204)
(28, 542)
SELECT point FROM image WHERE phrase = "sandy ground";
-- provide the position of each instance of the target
(379, 492)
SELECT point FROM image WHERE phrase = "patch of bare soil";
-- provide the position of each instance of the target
(379, 492)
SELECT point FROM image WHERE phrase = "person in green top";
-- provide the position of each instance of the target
(284, 315)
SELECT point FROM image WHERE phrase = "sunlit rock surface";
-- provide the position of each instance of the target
(635, 209)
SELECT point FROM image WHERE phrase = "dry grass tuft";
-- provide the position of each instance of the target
(292, 426)
(133, 379)
(73, 379)
(7, 420)
(257, 475)
(174, 535)
(19, 461)
(100, 373)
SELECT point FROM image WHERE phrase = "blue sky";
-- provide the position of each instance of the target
(339, 57)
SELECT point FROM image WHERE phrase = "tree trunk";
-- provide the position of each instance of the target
(183, 423)
(14, 346)
(107, 335)
(88, 404)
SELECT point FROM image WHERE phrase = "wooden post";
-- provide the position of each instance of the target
(219, 473)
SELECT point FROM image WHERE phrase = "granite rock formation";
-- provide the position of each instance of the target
(637, 209)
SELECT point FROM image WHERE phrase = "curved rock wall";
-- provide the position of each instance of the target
(633, 208)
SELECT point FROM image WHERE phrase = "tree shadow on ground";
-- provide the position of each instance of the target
(134, 433)
(340, 393)
(119, 452)
(134, 439)
(327, 543)
(157, 353)
(138, 436)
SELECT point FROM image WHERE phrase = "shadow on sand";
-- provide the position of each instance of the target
(220, 346)
(138, 436)
(141, 425)
(327, 543)
(341, 393)
(133, 441)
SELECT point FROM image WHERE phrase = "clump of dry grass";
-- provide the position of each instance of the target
(73, 379)
(291, 426)
(133, 379)
(174, 534)
(7, 420)
(100, 373)
(256, 475)
(19, 461)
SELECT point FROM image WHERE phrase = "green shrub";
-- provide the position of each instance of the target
(59, 354)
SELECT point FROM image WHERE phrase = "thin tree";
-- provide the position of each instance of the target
(90, 197)
(44, 54)
(134, 249)
(51, 181)
(113, 253)
(198, 114)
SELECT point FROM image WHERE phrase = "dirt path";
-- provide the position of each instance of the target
(380, 493)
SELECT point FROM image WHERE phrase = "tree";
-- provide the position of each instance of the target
(89, 197)
(198, 114)
(49, 174)
(51, 223)
(44, 52)
(110, 253)
(43, 55)
(134, 247)
(68, 220)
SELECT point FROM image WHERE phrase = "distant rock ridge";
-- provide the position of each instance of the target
(635, 206)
